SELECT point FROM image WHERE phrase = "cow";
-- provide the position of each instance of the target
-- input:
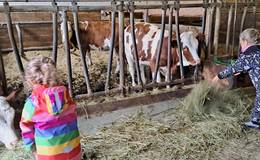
(92, 33)
(147, 41)
(7, 132)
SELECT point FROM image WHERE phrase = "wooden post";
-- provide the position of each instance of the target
(241, 27)
(211, 13)
(228, 29)
(234, 29)
(216, 32)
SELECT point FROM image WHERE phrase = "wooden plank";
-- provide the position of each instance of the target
(196, 21)
(27, 16)
(248, 24)
(84, 16)
(37, 35)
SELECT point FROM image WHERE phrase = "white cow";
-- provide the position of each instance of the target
(7, 131)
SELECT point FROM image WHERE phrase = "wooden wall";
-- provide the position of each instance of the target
(249, 22)
(36, 35)
(41, 35)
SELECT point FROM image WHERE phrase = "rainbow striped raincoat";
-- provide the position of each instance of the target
(49, 124)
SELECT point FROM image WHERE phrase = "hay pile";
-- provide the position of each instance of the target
(18, 154)
(204, 122)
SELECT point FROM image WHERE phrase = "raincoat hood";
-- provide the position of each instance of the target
(53, 99)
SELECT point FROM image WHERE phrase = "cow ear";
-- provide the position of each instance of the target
(86, 25)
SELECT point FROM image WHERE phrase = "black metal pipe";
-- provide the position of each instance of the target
(67, 51)
(179, 42)
(169, 54)
(111, 51)
(121, 48)
(54, 35)
(20, 38)
(137, 66)
(12, 39)
(158, 54)
(204, 19)
(2, 75)
(83, 59)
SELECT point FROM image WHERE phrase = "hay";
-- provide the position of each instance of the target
(17, 154)
(204, 122)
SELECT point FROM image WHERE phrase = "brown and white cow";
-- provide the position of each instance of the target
(147, 40)
(92, 33)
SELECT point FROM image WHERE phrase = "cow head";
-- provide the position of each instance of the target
(190, 48)
(7, 113)
(7, 135)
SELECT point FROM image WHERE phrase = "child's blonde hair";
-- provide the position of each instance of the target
(41, 70)
(251, 35)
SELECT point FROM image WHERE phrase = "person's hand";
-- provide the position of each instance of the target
(215, 80)
(236, 74)
(220, 83)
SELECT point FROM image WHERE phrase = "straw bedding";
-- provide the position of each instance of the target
(207, 124)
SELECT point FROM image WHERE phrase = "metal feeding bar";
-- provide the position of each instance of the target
(67, 50)
(54, 33)
(121, 48)
(112, 46)
(85, 68)
(132, 23)
(179, 41)
(169, 54)
(158, 54)
(12, 39)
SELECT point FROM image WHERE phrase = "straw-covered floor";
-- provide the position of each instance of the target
(208, 124)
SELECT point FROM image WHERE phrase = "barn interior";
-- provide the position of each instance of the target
(180, 118)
